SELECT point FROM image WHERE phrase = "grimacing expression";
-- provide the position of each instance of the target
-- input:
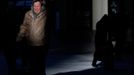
(37, 7)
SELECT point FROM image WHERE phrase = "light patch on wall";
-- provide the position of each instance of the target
(100, 7)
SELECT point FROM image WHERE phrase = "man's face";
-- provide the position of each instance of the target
(37, 7)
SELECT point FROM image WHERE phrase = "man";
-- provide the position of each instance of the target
(33, 30)
(103, 45)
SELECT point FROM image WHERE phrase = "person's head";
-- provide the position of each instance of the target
(37, 6)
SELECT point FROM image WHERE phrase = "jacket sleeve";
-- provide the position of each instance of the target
(23, 29)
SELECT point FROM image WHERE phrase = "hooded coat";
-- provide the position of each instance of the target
(33, 28)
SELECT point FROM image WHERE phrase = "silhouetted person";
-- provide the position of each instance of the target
(33, 30)
(109, 29)
(100, 40)
(103, 44)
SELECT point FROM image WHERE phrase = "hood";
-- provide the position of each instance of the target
(34, 14)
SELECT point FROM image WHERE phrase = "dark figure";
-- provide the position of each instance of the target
(33, 30)
(110, 39)
(103, 45)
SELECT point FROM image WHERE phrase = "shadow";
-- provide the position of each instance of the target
(96, 71)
